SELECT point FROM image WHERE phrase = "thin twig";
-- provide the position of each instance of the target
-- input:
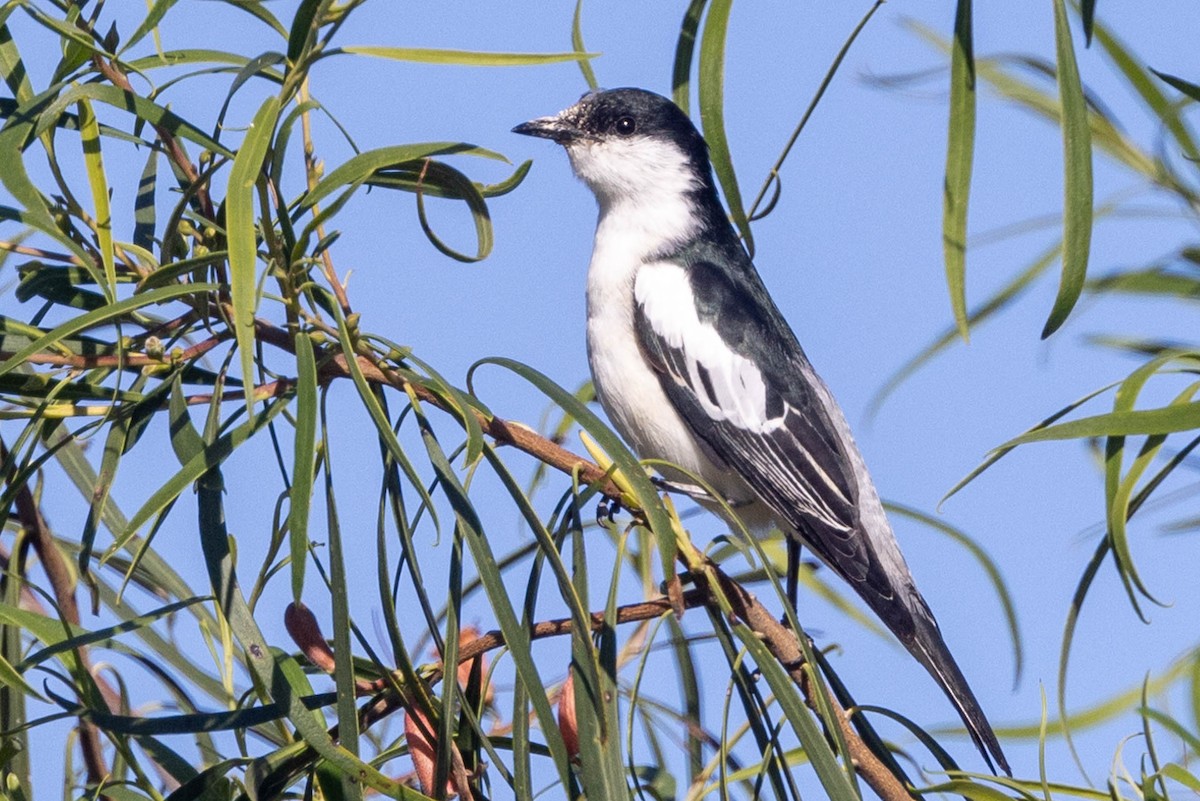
(39, 253)
(171, 144)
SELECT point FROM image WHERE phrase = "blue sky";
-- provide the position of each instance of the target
(852, 255)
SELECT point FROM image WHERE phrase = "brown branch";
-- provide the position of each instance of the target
(782, 643)
(125, 359)
(172, 146)
(311, 172)
(25, 250)
(59, 575)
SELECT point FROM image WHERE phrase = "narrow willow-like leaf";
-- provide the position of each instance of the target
(1077, 178)
(1087, 10)
(10, 677)
(469, 58)
(1118, 488)
(35, 212)
(140, 107)
(461, 186)
(339, 590)
(685, 53)
(219, 561)
(960, 153)
(302, 29)
(833, 779)
(383, 426)
(1176, 773)
(585, 64)
(998, 453)
(1190, 89)
(259, 12)
(100, 635)
(358, 168)
(303, 460)
(647, 495)
(1147, 88)
(14, 751)
(1164, 420)
(516, 635)
(712, 113)
(241, 233)
(93, 160)
(148, 23)
(212, 454)
(102, 315)
(163, 577)
(259, 66)
(12, 68)
(143, 205)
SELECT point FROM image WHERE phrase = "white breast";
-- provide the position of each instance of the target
(627, 387)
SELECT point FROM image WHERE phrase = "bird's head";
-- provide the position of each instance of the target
(628, 144)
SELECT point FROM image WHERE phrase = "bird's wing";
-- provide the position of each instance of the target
(735, 373)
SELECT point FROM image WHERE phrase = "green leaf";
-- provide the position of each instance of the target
(1140, 81)
(643, 488)
(960, 153)
(468, 58)
(303, 461)
(129, 102)
(685, 53)
(461, 186)
(998, 453)
(1187, 87)
(286, 690)
(585, 64)
(84, 639)
(11, 67)
(148, 23)
(143, 205)
(359, 168)
(11, 678)
(303, 29)
(1165, 420)
(1077, 180)
(1087, 10)
(241, 232)
(1002, 299)
(102, 315)
(94, 162)
(712, 113)
(192, 471)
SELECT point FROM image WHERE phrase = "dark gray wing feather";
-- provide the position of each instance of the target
(791, 448)
(796, 462)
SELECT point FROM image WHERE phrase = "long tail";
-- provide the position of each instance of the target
(927, 645)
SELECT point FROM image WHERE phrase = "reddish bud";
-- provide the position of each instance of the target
(302, 626)
(418, 733)
(566, 715)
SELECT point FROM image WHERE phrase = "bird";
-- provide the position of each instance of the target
(694, 365)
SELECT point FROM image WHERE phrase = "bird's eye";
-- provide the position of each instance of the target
(626, 126)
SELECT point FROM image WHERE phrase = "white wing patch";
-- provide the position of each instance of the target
(729, 386)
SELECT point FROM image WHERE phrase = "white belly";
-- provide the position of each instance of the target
(630, 392)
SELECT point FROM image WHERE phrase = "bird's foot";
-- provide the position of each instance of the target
(607, 510)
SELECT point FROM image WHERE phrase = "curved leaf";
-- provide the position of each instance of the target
(241, 232)
(1077, 181)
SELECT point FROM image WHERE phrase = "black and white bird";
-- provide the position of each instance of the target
(695, 365)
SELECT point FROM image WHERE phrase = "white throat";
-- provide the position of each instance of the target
(643, 187)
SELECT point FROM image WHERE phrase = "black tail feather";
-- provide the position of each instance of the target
(930, 650)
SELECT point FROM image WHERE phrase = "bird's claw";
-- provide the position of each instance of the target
(606, 511)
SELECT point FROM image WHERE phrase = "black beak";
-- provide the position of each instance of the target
(553, 128)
